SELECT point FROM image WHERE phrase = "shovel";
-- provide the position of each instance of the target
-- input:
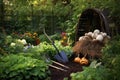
(60, 56)
(61, 68)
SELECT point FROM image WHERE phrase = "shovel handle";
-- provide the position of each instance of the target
(60, 64)
(58, 68)
(51, 41)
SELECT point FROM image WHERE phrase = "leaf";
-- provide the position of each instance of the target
(25, 67)
(94, 64)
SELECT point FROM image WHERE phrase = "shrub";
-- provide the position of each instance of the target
(94, 72)
(18, 67)
(111, 57)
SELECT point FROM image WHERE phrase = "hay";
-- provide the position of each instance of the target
(89, 46)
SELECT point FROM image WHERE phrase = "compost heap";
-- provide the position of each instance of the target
(91, 43)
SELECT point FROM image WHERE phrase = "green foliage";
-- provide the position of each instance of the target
(13, 45)
(55, 36)
(115, 65)
(111, 57)
(32, 15)
(111, 50)
(94, 72)
(2, 44)
(17, 67)
(46, 48)
(39, 50)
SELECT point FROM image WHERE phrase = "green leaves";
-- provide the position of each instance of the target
(94, 64)
(20, 67)
(92, 73)
(111, 57)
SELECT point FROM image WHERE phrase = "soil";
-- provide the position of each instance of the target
(60, 75)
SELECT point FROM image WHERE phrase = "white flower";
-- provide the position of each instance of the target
(12, 44)
(24, 41)
(26, 47)
(19, 41)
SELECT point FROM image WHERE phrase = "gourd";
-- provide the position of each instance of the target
(84, 61)
(77, 59)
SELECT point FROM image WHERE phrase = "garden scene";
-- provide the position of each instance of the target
(59, 40)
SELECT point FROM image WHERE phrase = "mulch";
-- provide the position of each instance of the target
(60, 75)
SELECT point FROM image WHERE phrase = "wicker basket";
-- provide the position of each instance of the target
(90, 20)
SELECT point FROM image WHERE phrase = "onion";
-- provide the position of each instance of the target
(104, 34)
(81, 38)
(97, 31)
(94, 35)
(99, 37)
(90, 34)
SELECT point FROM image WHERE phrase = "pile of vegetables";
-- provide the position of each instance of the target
(95, 35)
(105, 69)
(91, 44)
(82, 61)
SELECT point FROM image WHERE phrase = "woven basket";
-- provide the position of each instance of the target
(90, 20)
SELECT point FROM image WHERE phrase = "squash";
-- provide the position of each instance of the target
(84, 61)
(77, 59)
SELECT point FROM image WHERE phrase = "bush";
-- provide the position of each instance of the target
(18, 67)
(94, 72)
(111, 57)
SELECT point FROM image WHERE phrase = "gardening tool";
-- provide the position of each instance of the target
(61, 56)
(61, 68)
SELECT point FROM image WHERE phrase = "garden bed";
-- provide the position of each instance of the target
(60, 75)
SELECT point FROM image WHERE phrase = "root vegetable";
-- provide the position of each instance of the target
(77, 59)
(84, 61)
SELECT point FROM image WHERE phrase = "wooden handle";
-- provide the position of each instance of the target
(60, 64)
(57, 68)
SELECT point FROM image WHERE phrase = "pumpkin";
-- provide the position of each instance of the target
(84, 61)
(77, 59)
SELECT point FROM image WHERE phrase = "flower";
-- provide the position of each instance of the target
(12, 44)
(35, 34)
(31, 38)
(63, 34)
(64, 38)
(23, 41)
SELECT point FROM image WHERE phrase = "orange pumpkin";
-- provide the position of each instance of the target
(84, 61)
(77, 59)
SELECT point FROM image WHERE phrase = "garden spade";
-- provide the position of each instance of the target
(60, 56)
